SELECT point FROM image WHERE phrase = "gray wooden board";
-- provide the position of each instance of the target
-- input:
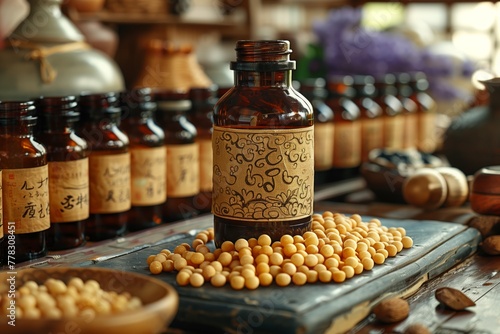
(312, 308)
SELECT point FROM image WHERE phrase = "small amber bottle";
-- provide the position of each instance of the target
(68, 171)
(263, 144)
(427, 140)
(410, 110)
(109, 165)
(25, 183)
(201, 115)
(148, 159)
(371, 115)
(386, 97)
(315, 91)
(183, 171)
(346, 117)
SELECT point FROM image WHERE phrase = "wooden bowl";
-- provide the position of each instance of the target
(160, 303)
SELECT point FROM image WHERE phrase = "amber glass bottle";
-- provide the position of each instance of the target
(25, 183)
(183, 171)
(109, 165)
(410, 109)
(371, 115)
(263, 146)
(427, 140)
(148, 159)
(68, 171)
(201, 115)
(315, 91)
(346, 117)
(386, 97)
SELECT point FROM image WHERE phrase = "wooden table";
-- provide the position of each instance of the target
(478, 276)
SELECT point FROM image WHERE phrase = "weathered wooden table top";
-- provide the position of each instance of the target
(444, 255)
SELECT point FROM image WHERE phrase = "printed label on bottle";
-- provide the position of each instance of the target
(149, 175)
(1, 207)
(410, 130)
(347, 145)
(323, 146)
(206, 164)
(69, 190)
(393, 131)
(371, 136)
(26, 191)
(263, 175)
(109, 177)
(427, 137)
(183, 178)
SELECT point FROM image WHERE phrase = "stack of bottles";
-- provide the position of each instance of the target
(97, 166)
(355, 114)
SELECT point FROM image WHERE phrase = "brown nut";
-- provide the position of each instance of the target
(392, 310)
(453, 298)
(491, 245)
(417, 329)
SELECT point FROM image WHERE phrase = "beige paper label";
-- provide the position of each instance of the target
(69, 190)
(263, 175)
(371, 136)
(427, 137)
(206, 165)
(183, 178)
(410, 130)
(1, 207)
(148, 175)
(26, 198)
(393, 131)
(323, 146)
(109, 177)
(347, 145)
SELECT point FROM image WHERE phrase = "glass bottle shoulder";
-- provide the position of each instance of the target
(258, 106)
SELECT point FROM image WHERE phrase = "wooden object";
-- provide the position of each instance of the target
(160, 302)
(485, 191)
(314, 308)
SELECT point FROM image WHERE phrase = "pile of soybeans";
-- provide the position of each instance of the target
(337, 248)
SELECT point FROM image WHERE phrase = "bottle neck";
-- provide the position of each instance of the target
(277, 79)
(18, 128)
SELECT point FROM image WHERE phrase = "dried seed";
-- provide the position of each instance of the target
(392, 310)
(417, 329)
(491, 245)
(453, 298)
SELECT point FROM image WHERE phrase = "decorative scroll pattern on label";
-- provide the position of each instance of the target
(69, 190)
(26, 191)
(263, 175)
(149, 175)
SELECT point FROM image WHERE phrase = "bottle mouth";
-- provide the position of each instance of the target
(263, 55)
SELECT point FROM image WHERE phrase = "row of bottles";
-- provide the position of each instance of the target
(109, 163)
(355, 114)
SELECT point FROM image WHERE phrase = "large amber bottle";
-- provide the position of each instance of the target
(263, 145)
(148, 159)
(25, 184)
(68, 171)
(109, 165)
